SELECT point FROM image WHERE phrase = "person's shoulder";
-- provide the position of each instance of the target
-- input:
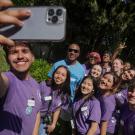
(9, 75)
(43, 84)
(83, 64)
(80, 66)
(78, 63)
(110, 101)
(94, 100)
(60, 62)
(108, 97)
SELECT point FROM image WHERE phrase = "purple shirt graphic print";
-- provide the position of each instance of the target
(90, 111)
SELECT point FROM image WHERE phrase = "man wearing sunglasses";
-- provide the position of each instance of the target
(75, 68)
(76, 74)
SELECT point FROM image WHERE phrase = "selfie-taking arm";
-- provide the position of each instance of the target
(9, 16)
(37, 124)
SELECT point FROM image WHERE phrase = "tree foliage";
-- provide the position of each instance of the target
(96, 24)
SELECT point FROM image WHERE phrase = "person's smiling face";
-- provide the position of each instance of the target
(60, 75)
(20, 58)
(73, 52)
(96, 71)
(106, 82)
(87, 86)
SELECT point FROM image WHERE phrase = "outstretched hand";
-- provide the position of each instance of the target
(14, 16)
(121, 46)
(8, 16)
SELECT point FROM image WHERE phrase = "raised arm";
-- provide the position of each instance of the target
(9, 16)
(120, 47)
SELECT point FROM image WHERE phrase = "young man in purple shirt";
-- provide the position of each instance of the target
(19, 93)
(128, 112)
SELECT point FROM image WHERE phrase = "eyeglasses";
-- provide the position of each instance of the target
(73, 50)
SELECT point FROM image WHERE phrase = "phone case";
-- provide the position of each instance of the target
(47, 23)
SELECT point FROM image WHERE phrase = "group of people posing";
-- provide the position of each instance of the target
(85, 99)
(100, 92)
(94, 98)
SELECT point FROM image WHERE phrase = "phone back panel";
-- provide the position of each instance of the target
(45, 24)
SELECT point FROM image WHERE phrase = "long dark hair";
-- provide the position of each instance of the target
(116, 80)
(64, 87)
(78, 93)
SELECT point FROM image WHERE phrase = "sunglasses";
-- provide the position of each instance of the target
(73, 50)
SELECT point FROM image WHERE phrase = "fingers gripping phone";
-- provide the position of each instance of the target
(47, 23)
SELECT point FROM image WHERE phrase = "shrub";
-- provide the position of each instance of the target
(39, 69)
(3, 63)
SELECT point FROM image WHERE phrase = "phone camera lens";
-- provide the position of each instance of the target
(54, 19)
(59, 12)
(51, 12)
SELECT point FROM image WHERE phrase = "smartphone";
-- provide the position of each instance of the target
(47, 23)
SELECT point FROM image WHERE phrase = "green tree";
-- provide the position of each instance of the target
(96, 24)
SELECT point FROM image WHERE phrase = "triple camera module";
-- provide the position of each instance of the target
(55, 15)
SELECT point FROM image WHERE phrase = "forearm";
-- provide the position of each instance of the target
(92, 130)
(37, 124)
(118, 50)
(55, 116)
(52, 125)
(104, 127)
(115, 54)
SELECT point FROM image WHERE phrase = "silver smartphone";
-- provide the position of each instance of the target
(47, 23)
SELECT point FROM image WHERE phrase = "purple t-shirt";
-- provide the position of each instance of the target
(108, 104)
(128, 120)
(17, 116)
(51, 99)
(89, 111)
(121, 97)
(86, 69)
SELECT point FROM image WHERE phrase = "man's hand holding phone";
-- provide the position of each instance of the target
(11, 17)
